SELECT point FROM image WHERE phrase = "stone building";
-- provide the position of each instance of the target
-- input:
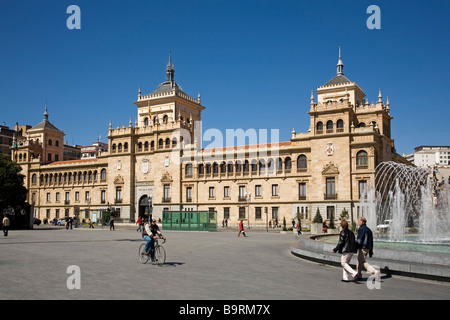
(158, 164)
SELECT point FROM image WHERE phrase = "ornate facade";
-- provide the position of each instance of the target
(157, 164)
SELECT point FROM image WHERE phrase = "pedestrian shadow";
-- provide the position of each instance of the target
(172, 264)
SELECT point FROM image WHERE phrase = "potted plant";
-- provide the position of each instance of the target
(316, 226)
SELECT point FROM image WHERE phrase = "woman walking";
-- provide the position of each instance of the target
(347, 247)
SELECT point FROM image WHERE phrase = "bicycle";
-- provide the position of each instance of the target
(160, 253)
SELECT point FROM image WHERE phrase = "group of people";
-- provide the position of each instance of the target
(348, 246)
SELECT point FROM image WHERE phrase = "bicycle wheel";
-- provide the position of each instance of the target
(160, 255)
(143, 257)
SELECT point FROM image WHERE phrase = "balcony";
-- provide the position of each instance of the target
(165, 200)
(330, 196)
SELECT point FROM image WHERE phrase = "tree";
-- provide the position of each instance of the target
(12, 191)
(318, 218)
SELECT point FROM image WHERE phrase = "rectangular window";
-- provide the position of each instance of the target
(226, 213)
(362, 188)
(87, 197)
(57, 197)
(258, 211)
(258, 191)
(57, 213)
(103, 196)
(331, 191)
(167, 192)
(274, 212)
(302, 191)
(274, 190)
(242, 193)
(118, 194)
(188, 194)
(330, 212)
(241, 213)
(226, 192)
(212, 193)
(48, 197)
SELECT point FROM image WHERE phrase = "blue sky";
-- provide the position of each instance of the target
(254, 62)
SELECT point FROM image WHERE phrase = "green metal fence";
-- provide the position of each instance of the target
(190, 220)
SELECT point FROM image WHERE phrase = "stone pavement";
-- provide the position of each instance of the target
(200, 266)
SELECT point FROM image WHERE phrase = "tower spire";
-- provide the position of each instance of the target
(170, 69)
(45, 112)
(340, 65)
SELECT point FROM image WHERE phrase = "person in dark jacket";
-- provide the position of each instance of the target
(347, 247)
(364, 242)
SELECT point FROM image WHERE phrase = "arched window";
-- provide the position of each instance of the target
(361, 158)
(223, 167)
(288, 163)
(329, 126)
(174, 142)
(246, 166)
(279, 164)
(167, 143)
(262, 166)
(165, 119)
(50, 142)
(340, 125)
(302, 162)
(319, 127)
(57, 143)
(140, 146)
(103, 174)
(125, 146)
(146, 121)
(188, 169)
(215, 167)
(114, 147)
(160, 143)
(152, 145)
(201, 168)
(361, 125)
(230, 167)
(33, 178)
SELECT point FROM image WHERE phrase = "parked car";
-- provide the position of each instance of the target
(61, 222)
(384, 226)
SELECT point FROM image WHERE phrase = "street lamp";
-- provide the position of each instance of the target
(247, 198)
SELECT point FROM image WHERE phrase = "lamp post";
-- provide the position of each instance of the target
(247, 198)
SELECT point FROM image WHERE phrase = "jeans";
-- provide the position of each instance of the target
(150, 244)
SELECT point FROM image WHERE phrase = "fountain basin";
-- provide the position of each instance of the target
(407, 262)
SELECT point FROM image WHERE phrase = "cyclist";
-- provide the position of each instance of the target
(151, 231)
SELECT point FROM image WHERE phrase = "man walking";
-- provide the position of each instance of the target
(364, 242)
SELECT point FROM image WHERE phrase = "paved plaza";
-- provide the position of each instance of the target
(199, 266)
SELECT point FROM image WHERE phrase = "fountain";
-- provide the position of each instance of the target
(415, 240)
(408, 204)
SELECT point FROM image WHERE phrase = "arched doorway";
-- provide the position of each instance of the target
(145, 206)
